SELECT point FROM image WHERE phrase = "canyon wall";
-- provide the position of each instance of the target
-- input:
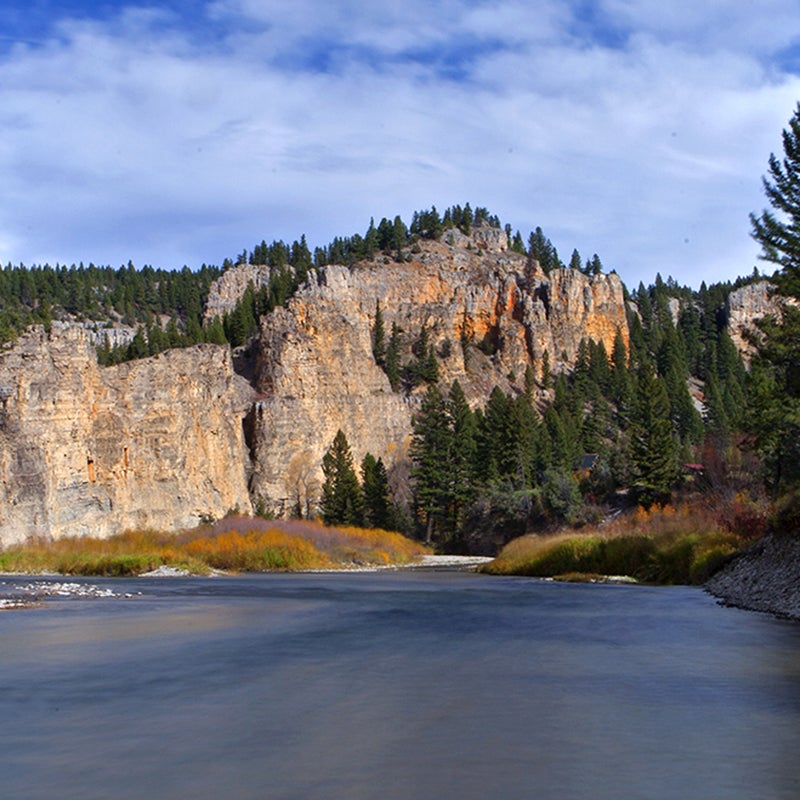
(169, 440)
(488, 313)
(86, 450)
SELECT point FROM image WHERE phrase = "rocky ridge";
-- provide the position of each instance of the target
(225, 292)
(168, 440)
(487, 313)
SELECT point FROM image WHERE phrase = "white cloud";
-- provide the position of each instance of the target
(135, 139)
(754, 27)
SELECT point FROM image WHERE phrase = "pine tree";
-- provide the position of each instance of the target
(596, 423)
(541, 249)
(399, 237)
(599, 368)
(715, 417)
(342, 499)
(778, 230)
(775, 384)
(653, 445)
(429, 366)
(496, 437)
(526, 429)
(379, 337)
(461, 422)
(774, 419)
(430, 450)
(375, 482)
(530, 384)
(371, 241)
(138, 346)
(215, 333)
(104, 358)
(547, 378)
(562, 437)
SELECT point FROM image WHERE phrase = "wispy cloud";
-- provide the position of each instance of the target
(183, 132)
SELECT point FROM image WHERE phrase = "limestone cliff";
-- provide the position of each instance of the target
(164, 441)
(86, 450)
(488, 313)
(225, 292)
(745, 307)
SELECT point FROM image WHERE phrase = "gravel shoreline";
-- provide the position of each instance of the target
(764, 578)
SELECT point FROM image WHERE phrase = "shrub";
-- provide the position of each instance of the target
(744, 516)
(234, 543)
(666, 545)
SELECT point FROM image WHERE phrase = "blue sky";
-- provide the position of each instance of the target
(182, 132)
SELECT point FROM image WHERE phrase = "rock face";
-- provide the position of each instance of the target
(167, 440)
(488, 313)
(86, 450)
(227, 290)
(745, 307)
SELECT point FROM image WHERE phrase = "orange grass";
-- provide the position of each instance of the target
(235, 543)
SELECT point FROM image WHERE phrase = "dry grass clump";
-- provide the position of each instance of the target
(236, 543)
(130, 553)
(668, 545)
(340, 546)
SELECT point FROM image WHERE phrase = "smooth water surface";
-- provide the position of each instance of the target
(397, 685)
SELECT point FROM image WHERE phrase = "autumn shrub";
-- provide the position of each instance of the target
(20, 559)
(710, 555)
(256, 550)
(745, 516)
(669, 545)
(672, 561)
(235, 543)
(110, 565)
(574, 553)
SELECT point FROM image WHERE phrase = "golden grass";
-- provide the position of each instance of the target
(669, 545)
(235, 543)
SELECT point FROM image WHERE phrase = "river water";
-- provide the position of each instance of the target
(396, 685)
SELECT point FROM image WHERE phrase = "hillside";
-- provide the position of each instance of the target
(554, 355)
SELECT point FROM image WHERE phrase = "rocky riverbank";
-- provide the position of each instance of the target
(764, 578)
(24, 594)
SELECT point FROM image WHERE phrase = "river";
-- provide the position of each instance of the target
(396, 685)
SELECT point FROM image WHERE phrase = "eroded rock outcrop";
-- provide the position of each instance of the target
(86, 450)
(487, 312)
(745, 307)
(225, 292)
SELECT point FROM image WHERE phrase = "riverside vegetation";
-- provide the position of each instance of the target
(662, 545)
(236, 543)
